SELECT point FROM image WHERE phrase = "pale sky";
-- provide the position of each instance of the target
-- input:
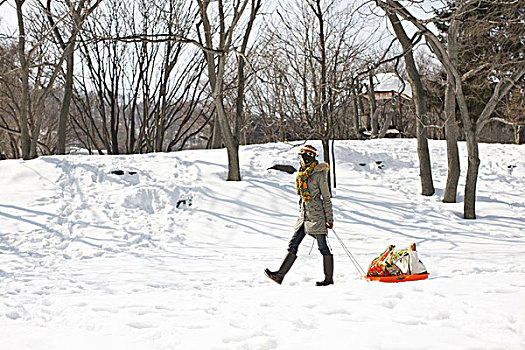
(7, 16)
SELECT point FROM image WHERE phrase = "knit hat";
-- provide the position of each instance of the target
(309, 150)
(308, 154)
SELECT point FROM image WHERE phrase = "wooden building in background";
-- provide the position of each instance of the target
(393, 98)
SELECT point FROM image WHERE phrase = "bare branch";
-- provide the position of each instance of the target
(473, 72)
(155, 38)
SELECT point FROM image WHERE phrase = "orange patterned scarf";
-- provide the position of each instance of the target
(301, 181)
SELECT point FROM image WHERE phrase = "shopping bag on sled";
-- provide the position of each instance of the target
(397, 266)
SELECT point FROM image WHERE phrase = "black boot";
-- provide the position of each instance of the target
(328, 266)
(278, 276)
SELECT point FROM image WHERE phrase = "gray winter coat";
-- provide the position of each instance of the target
(316, 213)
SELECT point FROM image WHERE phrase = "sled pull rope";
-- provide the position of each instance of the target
(352, 259)
(313, 241)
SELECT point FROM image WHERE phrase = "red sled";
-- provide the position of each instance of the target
(395, 279)
(384, 268)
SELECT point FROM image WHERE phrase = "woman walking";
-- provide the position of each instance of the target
(315, 215)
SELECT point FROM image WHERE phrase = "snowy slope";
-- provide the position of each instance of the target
(94, 260)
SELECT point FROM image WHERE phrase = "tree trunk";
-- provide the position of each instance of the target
(355, 109)
(232, 146)
(361, 108)
(374, 115)
(113, 124)
(35, 130)
(239, 101)
(66, 102)
(322, 95)
(469, 210)
(520, 134)
(234, 170)
(25, 138)
(333, 162)
(230, 140)
(371, 103)
(216, 137)
(452, 146)
(425, 172)
(451, 130)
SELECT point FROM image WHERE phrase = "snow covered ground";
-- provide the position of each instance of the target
(172, 256)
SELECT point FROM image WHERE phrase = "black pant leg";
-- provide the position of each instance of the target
(322, 244)
(296, 240)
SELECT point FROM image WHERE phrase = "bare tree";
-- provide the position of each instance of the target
(502, 78)
(425, 172)
(228, 20)
(78, 13)
(373, 111)
(25, 137)
(308, 72)
(140, 91)
(38, 71)
(9, 95)
(451, 131)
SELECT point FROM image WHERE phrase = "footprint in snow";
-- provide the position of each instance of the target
(441, 315)
(389, 304)
(398, 295)
(412, 322)
(299, 324)
(336, 311)
(140, 325)
(13, 315)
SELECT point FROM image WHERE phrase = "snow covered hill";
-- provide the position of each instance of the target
(169, 255)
